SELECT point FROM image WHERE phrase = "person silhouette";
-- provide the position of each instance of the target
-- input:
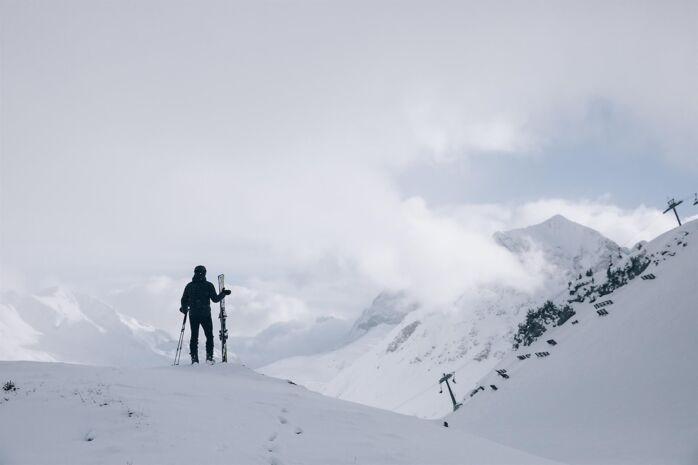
(196, 300)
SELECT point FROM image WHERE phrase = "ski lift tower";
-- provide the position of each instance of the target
(444, 379)
(672, 206)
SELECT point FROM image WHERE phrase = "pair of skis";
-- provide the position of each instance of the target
(222, 334)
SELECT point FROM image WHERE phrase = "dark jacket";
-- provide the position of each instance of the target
(198, 294)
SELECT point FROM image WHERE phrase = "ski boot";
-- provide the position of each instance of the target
(194, 358)
(209, 360)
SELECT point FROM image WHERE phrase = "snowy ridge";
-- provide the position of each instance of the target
(66, 308)
(60, 325)
(616, 383)
(219, 414)
(17, 337)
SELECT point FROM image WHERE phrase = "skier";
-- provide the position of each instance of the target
(196, 300)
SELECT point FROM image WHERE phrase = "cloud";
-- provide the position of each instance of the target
(437, 254)
(252, 311)
(625, 226)
(287, 339)
(267, 142)
(446, 131)
(154, 301)
(11, 280)
(437, 259)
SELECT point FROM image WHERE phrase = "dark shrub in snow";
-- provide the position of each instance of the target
(9, 386)
(537, 321)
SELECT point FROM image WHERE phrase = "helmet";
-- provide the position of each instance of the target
(200, 270)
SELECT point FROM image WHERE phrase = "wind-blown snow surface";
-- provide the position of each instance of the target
(69, 414)
(619, 388)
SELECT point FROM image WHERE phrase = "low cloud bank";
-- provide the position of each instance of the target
(435, 254)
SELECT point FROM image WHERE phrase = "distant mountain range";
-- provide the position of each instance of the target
(61, 325)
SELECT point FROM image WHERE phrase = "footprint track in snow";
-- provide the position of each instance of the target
(283, 420)
(271, 446)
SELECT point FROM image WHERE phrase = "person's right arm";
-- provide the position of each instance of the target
(185, 300)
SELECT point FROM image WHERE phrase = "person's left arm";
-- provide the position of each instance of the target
(216, 297)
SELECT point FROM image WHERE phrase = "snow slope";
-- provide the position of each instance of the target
(69, 414)
(60, 325)
(316, 371)
(400, 372)
(619, 388)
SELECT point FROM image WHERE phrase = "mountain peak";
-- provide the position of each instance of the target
(559, 219)
(387, 308)
(560, 222)
(554, 230)
(568, 245)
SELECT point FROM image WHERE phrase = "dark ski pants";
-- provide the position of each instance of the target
(203, 319)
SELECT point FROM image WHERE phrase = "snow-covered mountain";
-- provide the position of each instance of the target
(613, 383)
(389, 308)
(385, 312)
(69, 414)
(616, 383)
(396, 368)
(569, 248)
(60, 325)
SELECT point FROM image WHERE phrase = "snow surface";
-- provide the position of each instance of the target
(619, 388)
(71, 414)
(325, 367)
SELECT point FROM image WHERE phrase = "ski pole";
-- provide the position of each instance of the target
(178, 353)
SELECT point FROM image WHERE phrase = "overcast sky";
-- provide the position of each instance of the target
(320, 151)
